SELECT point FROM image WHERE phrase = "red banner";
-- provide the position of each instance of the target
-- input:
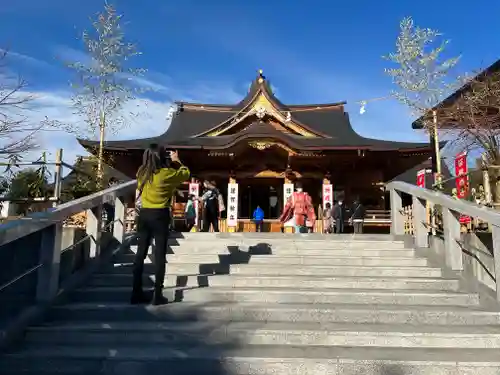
(421, 178)
(462, 180)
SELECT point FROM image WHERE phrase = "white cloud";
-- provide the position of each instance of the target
(17, 57)
(150, 121)
(71, 55)
(56, 106)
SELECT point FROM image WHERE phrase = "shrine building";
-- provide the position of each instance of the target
(256, 149)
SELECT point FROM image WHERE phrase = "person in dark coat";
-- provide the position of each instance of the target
(211, 206)
(357, 218)
(339, 216)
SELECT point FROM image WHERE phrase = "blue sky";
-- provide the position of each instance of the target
(209, 51)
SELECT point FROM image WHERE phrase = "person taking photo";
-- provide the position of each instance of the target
(158, 177)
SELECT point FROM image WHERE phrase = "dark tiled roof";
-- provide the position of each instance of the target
(329, 121)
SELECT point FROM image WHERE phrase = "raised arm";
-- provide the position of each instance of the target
(182, 173)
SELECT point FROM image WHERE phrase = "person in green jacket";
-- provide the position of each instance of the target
(158, 177)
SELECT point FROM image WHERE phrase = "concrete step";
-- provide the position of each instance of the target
(329, 260)
(290, 281)
(291, 270)
(252, 312)
(282, 236)
(278, 245)
(326, 260)
(235, 255)
(281, 295)
(266, 333)
(328, 243)
(276, 360)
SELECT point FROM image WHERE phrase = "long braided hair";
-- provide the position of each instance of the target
(153, 159)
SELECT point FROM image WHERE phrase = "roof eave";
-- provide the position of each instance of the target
(450, 100)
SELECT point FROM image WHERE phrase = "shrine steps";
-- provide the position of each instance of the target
(272, 304)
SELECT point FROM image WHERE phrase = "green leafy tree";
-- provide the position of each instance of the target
(105, 83)
(422, 74)
(4, 185)
(77, 185)
(26, 185)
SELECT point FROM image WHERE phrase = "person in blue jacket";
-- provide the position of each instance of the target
(258, 218)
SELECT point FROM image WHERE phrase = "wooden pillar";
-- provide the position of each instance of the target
(232, 205)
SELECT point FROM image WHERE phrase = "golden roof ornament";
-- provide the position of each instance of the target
(260, 145)
(261, 76)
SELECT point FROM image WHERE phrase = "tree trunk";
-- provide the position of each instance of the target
(486, 179)
(102, 126)
(495, 184)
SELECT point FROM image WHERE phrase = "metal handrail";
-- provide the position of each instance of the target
(35, 268)
(21, 276)
(463, 207)
(16, 229)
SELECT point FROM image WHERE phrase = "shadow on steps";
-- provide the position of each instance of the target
(223, 267)
(84, 344)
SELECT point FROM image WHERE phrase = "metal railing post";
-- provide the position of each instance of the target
(397, 217)
(120, 216)
(419, 222)
(495, 233)
(58, 178)
(452, 248)
(94, 230)
(50, 257)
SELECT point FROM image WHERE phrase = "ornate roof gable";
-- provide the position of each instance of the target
(261, 104)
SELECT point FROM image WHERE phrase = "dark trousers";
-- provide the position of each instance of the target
(358, 227)
(153, 223)
(109, 209)
(210, 218)
(259, 224)
(339, 226)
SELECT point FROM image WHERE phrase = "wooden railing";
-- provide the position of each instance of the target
(446, 235)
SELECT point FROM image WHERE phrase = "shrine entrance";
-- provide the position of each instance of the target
(267, 193)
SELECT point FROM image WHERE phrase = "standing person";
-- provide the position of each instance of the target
(299, 206)
(157, 178)
(358, 216)
(258, 218)
(338, 216)
(190, 213)
(211, 199)
(327, 218)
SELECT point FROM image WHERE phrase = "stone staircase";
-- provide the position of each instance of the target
(272, 304)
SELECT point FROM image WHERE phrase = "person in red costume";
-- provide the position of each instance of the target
(299, 207)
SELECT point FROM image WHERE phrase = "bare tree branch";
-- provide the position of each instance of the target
(17, 132)
(473, 118)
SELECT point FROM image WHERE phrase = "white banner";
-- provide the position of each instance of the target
(327, 195)
(194, 189)
(232, 205)
(287, 193)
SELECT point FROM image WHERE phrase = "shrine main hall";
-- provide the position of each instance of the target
(260, 147)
